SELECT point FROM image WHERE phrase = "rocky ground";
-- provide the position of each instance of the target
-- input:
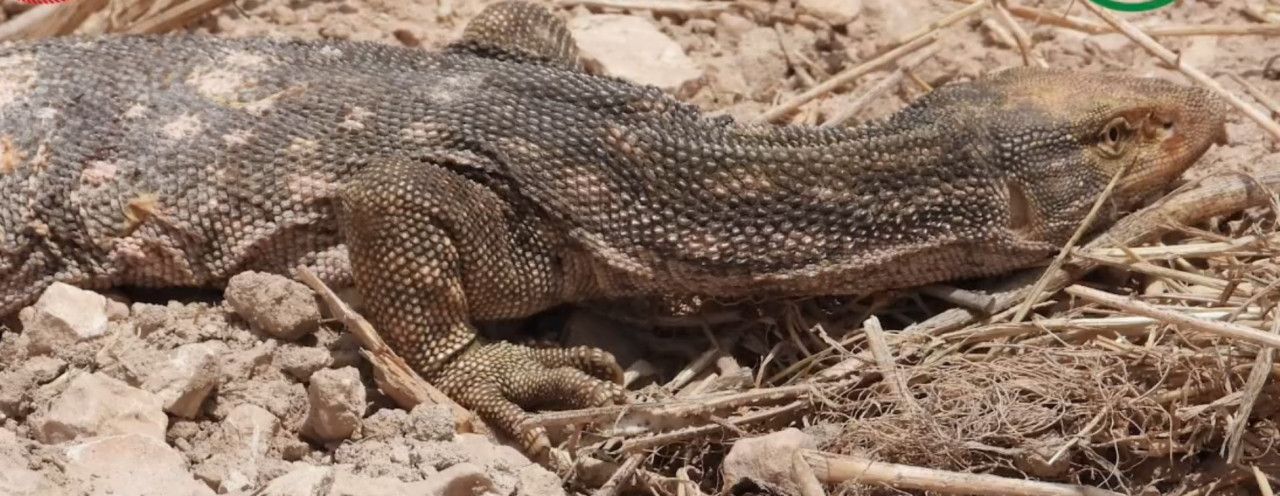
(252, 392)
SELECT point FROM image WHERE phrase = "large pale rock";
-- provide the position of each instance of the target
(766, 460)
(16, 479)
(97, 405)
(64, 315)
(634, 49)
(186, 377)
(273, 304)
(834, 12)
(337, 400)
(130, 465)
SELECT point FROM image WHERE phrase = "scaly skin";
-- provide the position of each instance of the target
(495, 179)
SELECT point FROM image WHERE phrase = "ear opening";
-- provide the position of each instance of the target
(1021, 215)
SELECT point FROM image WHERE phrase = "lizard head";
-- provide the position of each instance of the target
(1059, 137)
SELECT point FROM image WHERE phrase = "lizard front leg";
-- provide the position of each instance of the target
(431, 251)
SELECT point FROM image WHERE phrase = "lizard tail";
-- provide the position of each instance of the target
(522, 28)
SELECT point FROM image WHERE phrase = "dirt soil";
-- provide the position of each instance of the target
(210, 395)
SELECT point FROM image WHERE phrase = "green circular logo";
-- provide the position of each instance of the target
(1133, 6)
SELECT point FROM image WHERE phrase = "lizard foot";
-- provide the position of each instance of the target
(499, 381)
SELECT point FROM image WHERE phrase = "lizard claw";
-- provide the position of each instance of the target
(500, 381)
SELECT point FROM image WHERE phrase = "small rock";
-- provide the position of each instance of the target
(387, 457)
(186, 377)
(508, 468)
(242, 443)
(346, 483)
(250, 429)
(276, 305)
(384, 423)
(44, 369)
(633, 48)
(117, 309)
(833, 12)
(1035, 459)
(97, 405)
(281, 396)
(302, 361)
(64, 315)
(17, 384)
(306, 480)
(130, 464)
(766, 460)
(463, 479)
(431, 423)
(337, 399)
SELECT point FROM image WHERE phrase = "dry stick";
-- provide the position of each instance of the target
(1085, 226)
(1166, 55)
(1252, 388)
(702, 431)
(1258, 15)
(888, 366)
(393, 376)
(1055, 19)
(617, 481)
(1029, 57)
(1213, 196)
(682, 408)
(837, 469)
(974, 7)
(1217, 328)
(1264, 486)
(957, 296)
(665, 6)
(1241, 245)
(1163, 272)
(174, 17)
(1270, 29)
(1086, 26)
(802, 474)
(1257, 94)
(845, 77)
(1079, 436)
(49, 20)
(1001, 35)
(592, 472)
(913, 42)
(881, 87)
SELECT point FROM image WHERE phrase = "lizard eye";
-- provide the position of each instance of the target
(1114, 137)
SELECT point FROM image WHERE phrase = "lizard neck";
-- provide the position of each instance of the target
(827, 210)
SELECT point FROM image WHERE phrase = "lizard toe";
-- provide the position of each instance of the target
(594, 361)
(500, 382)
